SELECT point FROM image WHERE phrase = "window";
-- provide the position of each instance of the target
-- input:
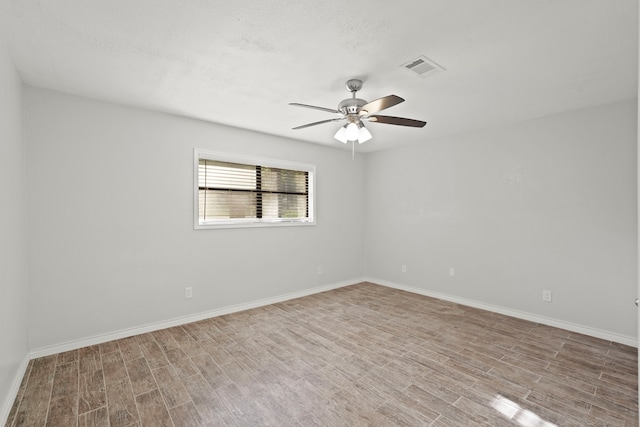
(234, 191)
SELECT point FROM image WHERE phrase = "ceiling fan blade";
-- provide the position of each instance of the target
(397, 121)
(319, 123)
(380, 104)
(329, 110)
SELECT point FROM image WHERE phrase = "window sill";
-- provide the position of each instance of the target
(252, 224)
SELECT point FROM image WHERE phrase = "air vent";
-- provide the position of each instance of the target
(422, 66)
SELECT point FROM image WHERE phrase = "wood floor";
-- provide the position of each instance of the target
(355, 356)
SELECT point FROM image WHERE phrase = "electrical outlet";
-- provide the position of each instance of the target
(546, 295)
(319, 269)
(404, 268)
(188, 293)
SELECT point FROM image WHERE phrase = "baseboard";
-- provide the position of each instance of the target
(99, 339)
(573, 327)
(5, 409)
(124, 333)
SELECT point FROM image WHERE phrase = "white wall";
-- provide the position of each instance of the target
(111, 237)
(546, 204)
(13, 255)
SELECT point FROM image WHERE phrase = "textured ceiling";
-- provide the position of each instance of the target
(241, 62)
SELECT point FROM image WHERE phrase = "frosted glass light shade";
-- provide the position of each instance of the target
(341, 135)
(363, 134)
(352, 132)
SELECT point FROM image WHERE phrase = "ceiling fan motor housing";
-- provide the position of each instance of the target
(351, 105)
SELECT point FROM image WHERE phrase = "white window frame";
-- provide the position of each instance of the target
(254, 161)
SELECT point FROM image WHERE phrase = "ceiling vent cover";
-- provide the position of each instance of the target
(422, 66)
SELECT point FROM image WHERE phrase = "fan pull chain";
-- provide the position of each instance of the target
(353, 150)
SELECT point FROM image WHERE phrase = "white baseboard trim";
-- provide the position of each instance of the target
(99, 339)
(573, 327)
(124, 333)
(5, 409)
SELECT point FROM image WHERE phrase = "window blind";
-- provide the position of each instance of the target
(228, 191)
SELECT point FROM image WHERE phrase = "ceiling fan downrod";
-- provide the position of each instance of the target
(352, 105)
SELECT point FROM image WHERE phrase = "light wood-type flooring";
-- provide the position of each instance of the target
(355, 356)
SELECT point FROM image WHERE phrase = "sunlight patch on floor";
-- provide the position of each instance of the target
(517, 413)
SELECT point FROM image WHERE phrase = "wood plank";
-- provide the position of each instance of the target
(359, 355)
(121, 403)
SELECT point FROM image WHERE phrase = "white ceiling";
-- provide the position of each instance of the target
(241, 62)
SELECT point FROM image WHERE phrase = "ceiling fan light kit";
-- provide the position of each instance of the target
(353, 132)
(355, 110)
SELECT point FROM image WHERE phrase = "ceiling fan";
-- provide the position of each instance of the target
(355, 110)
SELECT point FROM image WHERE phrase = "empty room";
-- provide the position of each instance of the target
(417, 213)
